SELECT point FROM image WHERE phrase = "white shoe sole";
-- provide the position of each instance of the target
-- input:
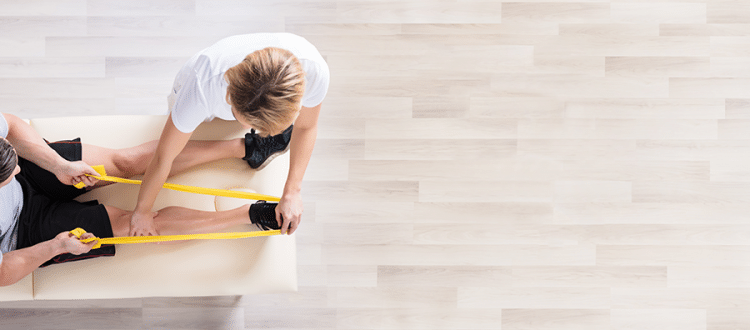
(271, 158)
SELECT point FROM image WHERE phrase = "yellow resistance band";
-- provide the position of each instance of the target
(78, 232)
(196, 190)
(168, 238)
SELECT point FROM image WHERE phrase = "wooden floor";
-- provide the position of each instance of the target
(480, 164)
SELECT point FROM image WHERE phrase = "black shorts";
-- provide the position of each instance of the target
(49, 208)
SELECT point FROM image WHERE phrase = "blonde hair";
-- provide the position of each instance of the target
(266, 89)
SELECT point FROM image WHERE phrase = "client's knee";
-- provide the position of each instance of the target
(131, 162)
(119, 220)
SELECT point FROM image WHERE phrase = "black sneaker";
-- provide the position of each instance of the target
(259, 151)
(263, 215)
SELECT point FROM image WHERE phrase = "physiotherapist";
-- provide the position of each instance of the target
(274, 83)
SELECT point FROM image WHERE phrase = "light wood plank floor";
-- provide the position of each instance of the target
(480, 164)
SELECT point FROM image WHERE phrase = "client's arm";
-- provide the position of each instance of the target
(30, 145)
(19, 263)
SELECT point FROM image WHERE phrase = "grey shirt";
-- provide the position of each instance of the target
(11, 203)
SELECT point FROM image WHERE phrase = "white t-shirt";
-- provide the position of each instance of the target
(11, 203)
(199, 91)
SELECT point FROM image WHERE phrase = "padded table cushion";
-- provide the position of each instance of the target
(22, 290)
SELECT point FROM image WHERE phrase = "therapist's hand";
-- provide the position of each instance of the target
(290, 207)
(142, 224)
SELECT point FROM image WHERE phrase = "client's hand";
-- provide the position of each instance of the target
(71, 173)
(69, 243)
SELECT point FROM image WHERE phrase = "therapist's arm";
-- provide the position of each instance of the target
(171, 143)
(301, 146)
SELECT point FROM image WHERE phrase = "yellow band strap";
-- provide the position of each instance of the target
(167, 238)
(178, 187)
(78, 232)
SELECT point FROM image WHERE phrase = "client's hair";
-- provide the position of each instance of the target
(8, 159)
(266, 88)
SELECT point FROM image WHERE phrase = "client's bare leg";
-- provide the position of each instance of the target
(175, 220)
(133, 161)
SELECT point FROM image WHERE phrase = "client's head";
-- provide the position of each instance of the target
(8, 162)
